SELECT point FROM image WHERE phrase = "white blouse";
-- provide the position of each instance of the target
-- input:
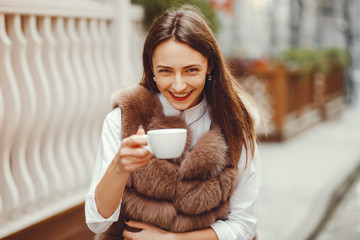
(242, 219)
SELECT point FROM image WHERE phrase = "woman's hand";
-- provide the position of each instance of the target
(148, 232)
(131, 154)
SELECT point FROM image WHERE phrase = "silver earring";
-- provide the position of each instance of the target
(154, 79)
(209, 78)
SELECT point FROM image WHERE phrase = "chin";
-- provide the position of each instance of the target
(180, 108)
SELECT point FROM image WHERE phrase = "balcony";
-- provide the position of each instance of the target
(60, 61)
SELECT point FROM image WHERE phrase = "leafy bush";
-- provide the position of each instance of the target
(307, 61)
(336, 56)
(304, 60)
(154, 8)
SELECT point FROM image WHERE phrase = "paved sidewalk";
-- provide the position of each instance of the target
(300, 175)
(345, 222)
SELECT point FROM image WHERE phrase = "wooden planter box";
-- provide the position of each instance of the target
(292, 102)
(334, 87)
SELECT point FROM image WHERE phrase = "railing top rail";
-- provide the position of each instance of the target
(59, 8)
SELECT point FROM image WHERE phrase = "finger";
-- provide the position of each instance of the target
(134, 141)
(133, 162)
(131, 165)
(135, 224)
(140, 130)
(139, 153)
(127, 235)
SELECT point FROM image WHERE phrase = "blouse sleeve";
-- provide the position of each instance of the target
(242, 219)
(110, 141)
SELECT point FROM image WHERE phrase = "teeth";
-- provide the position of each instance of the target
(181, 95)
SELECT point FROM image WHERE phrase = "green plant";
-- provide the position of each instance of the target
(154, 8)
(336, 56)
(306, 61)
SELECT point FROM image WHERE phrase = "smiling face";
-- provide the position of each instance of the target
(180, 73)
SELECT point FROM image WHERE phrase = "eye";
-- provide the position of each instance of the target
(164, 71)
(192, 70)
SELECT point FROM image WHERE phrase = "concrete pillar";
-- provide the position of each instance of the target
(279, 26)
(251, 31)
(308, 24)
(122, 41)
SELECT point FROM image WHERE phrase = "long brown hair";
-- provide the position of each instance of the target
(187, 25)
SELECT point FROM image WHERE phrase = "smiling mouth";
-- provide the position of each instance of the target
(181, 96)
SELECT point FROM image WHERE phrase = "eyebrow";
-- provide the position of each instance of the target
(188, 66)
(193, 65)
(162, 66)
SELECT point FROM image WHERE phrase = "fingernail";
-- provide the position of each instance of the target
(141, 127)
(125, 219)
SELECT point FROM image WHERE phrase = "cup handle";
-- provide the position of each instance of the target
(147, 147)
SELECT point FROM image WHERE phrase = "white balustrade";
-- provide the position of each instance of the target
(10, 118)
(92, 76)
(57, 72)
(26, 86)
(107, 54)
(83, 127)
(38, 172)
(61, 147)
(71, 101)
(56, 93)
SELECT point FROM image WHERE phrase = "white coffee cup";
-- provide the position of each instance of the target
(166, 143)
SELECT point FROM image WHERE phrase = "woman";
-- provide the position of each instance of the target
(212, 190)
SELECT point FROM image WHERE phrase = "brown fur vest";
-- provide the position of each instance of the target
(177, 195)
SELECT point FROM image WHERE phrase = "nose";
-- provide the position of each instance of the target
(178, 84)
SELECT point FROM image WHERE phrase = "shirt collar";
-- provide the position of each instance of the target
(191, 114)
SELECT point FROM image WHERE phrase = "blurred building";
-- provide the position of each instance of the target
(263, 27)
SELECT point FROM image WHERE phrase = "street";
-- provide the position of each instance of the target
(300, 175)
